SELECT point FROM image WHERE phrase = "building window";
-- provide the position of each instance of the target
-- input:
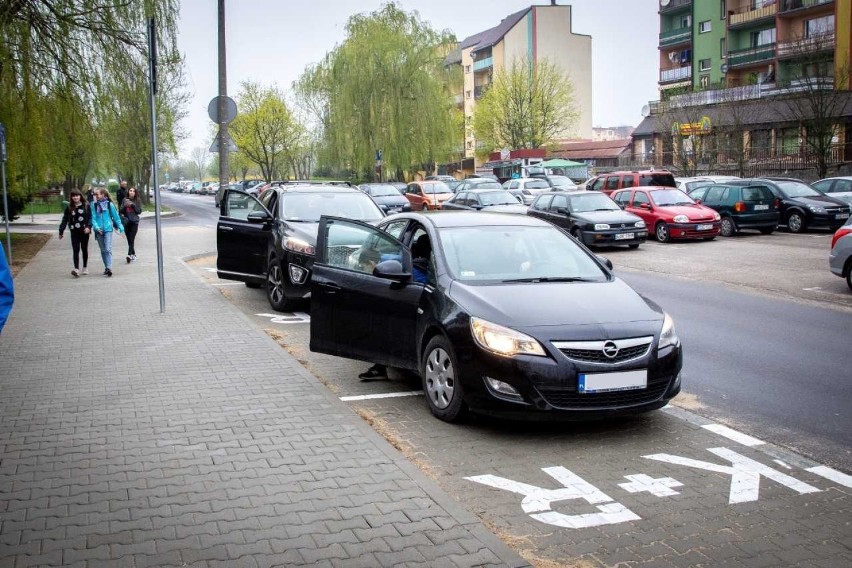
(704, 27)
(764, 37)
(468, 120)
(760, 141)
(819, 26)
(467, 68)
(686, 21)
(724, 9)
(723, 48)
(469, 145)
(704, 81)
(704, 65)
(787, 141)
(467, 94)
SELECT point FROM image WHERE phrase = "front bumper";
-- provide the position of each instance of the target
(691, 231)
(611, 237)
(827, 220)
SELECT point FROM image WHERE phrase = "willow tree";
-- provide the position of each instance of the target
(384, 89)
(526, 106)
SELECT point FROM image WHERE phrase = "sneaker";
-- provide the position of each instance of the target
(108, 272)
(85, 271)
(133, 258)
(75, 273)
(128, 259)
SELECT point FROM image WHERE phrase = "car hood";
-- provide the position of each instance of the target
(694, 212)
(306, 231)
(817, 201)
(522, 209)
(440, 197)
(609, 217)
(539, 305)
(391, 200)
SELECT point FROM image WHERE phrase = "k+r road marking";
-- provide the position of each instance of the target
(295, 317)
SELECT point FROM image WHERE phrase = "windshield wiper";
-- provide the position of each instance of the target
(552, 279)
(605, 209)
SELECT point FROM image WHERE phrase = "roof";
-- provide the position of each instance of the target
(591, 150)
(492, 36)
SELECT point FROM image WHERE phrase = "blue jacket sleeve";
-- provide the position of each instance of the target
(113, 213)
(7, 289)
(96, 225)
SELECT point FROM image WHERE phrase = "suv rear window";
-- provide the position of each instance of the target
(758, 193)
(664, 180)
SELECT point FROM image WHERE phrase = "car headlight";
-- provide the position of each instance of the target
(816, 209)
(681, 219)
(601, 226)
(502, 340)
(717, 217)
(640, 224)
(668, 335)
(298, 245)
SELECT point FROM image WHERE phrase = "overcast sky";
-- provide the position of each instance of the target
(272, 41)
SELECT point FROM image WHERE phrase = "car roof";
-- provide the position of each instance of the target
(486, 190)
(442, 219)
(313, 187)
(835, 177)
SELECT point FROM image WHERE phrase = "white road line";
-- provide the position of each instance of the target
(832, 475)
(732, 434)
(782, 464)
(383, 395)
(227, 283)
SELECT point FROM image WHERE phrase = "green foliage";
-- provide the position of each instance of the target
(526, 106)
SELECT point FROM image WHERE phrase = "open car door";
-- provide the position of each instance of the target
(242, 236)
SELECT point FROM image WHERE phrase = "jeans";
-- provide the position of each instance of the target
(105, 242)
(130, 230)
(80, 241)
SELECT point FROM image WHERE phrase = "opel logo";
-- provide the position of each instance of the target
(610, 349)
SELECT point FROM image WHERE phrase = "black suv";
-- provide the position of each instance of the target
(741, 206)
(801, 205)
(272, 238)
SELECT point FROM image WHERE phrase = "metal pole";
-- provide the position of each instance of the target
(6, 214)
(223, 92)
(152, 77)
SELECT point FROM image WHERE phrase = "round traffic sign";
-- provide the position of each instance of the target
(230, 110)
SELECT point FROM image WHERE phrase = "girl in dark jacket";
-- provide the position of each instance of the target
(78, 219)
(130, 211)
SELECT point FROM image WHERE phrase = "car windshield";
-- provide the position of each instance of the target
(309, 207)
(666, 197)
(501, 197)
(537, 184)
(453, 184)
(436, 187)
(797, 189)
(592, 202)
(663, 180)
(383, 191)
(526, 254)
(487, 184)
(561, 181)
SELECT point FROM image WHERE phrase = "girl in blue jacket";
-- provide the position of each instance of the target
(104, 219)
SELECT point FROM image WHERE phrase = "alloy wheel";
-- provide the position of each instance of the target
(440, 378)
(662, 232)
(795, 223)
(728, 229)
(274, 283)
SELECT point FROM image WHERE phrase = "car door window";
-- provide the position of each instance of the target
(269, 200)
(611, 182)
(698, 193)
(842, 185)
(240, 204)
(359, 247)
(639, 197)
(513, 185)
(543, 202)
(714, 194)
(622, 198)
(627, 181)
(395, 229)
(559, 201)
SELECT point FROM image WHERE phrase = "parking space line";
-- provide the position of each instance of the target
(732, 434)
(832, 475)
(382, 395)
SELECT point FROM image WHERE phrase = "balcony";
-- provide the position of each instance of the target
(798, 6)
(676, 74)
(752, 55)
(675, 5)
(748, 17)
(482, 64)
(675, 36)
(806, 46)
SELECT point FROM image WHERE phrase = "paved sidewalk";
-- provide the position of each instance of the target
(54, 219)
(134, 438)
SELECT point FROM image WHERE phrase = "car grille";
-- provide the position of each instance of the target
(594, 351)
(569, 398)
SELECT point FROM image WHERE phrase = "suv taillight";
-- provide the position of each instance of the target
(777, 203)
(841, 232)
(739, 207)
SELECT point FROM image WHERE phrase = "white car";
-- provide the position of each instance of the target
(526, 188)
(836, 187)
(687, 184)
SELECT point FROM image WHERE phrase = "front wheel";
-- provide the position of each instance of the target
(795, 222)
(275, 286)
(662, 232)
(728, 229)
(441, 384)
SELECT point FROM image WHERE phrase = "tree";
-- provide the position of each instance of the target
(199, 158)
(526, 106)
(383, 88)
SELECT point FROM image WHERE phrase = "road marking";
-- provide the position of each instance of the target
(832, 475)
(227, 283)
(782, 464)
(732, 434)
(383, 395)
(537, 500)
(661, 487)
(812, 289)
(745, 474)
(293, 317)
(208, 269)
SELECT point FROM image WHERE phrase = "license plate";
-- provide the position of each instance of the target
(607, 382)
(704, 227)
(761, 207)
(624, 236)
(842, 216)
(394, 210)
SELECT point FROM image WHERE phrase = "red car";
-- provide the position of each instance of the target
(670, 213)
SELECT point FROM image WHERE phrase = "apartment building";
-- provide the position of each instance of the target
(535, 33)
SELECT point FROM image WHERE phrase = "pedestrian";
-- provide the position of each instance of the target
(105, 219)
(7, 289)
(130, 211)
(78, 219)
(121, 193)
(90, 193)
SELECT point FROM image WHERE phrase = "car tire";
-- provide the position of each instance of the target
(441, 384)
(849, 279)
(728, 228)
(795, 222)
(275, 286)
(767, 230)
(662, 232)
(633, 246)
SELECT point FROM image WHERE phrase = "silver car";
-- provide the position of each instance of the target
(840, 258)
(836, 187)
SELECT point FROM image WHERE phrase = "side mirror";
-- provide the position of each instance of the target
(606, 262)
(391, 270)
(477, 206)
(258, 217)
(698, 201)
(644, 206)
(563, 210)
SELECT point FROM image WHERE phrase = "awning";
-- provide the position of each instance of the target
(561, 163)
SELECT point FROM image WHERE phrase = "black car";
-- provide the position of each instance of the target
(802, 206)
(591, 217)
(495, 200)
(515, 317)
(271, 238)
(741, 206)
(387, 197)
